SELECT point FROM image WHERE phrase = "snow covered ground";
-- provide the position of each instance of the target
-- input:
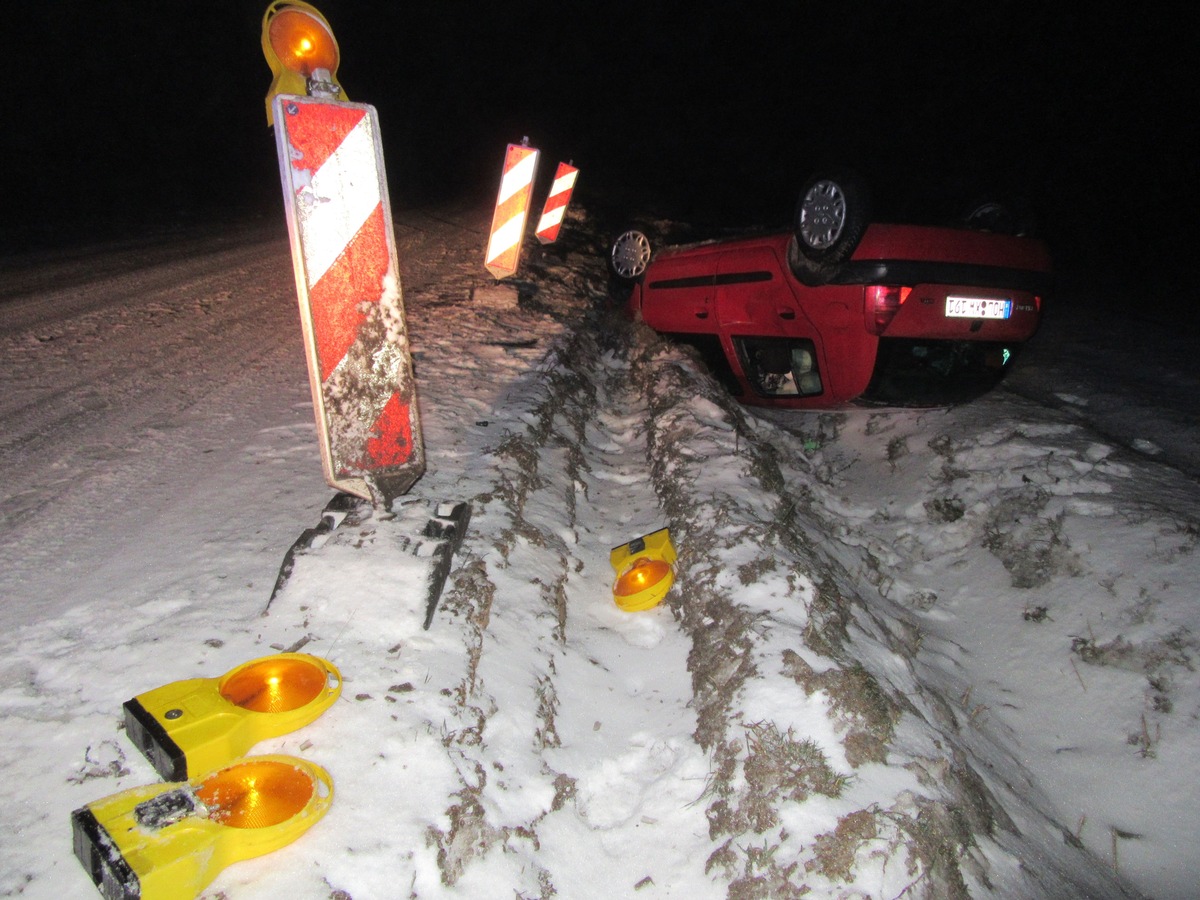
(909, 653)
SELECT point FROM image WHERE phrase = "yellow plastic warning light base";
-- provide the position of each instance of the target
(169, 841)
(298, 43)
(644, 571)
(197, 725)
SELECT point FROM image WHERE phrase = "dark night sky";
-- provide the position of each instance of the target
(132, 115)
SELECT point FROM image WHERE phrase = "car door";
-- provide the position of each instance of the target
(752, 297)
(677, 294)
(775, 347)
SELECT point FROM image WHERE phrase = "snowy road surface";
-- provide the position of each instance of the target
(909, 653)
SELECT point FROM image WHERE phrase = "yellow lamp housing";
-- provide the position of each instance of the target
(644, 571)
(199, 724)
(169, 841)
(301, 50)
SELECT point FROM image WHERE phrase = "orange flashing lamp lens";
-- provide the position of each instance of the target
(258, 793)
(641, 574)
(302, 42)
(169, 841)
(198, 724)
(275, 684)
(643, 570)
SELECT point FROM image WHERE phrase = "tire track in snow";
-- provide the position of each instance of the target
(496, 747)
(543, 767)
(833, 763)
(195, 325)
(124, 407)
(57, 286)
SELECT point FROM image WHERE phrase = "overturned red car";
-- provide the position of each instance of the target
(842, 310)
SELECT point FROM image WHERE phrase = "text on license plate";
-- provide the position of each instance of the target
(978, 308)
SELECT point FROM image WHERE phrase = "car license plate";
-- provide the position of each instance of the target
(978, 308)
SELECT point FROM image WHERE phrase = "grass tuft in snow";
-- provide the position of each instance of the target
(471, 599)
(828, 620)
(836, 851)
(857, 702)
(469, 835)
(1027, 540)
(775, 768)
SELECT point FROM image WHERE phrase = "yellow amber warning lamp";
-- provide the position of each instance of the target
(301, 50)
(199, 724)
(644, 573)
(169, 841)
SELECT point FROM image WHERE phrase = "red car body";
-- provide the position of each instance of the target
(917, 316)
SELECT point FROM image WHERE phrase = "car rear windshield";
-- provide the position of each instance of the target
(910, 372)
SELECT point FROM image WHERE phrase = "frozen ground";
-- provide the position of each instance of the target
(935, 653)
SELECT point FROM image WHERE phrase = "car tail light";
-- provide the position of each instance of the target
(883, 302)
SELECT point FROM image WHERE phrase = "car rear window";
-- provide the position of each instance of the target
(913, 372)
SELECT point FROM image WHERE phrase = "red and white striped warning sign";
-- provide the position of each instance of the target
(556, 203)
(512, 210)
(348, 285)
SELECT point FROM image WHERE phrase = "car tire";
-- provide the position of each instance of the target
(832, 214)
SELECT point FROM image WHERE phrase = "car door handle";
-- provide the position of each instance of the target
(702, 313)
(786, 313)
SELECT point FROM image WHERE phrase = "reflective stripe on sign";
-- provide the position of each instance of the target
(556, 203)
(329, 227)
(512, 210)
(349, 291)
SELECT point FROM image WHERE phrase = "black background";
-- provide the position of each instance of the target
(136, 117)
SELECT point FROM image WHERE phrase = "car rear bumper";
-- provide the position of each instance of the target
(907, 271)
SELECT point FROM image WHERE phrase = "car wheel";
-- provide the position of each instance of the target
(630, 255)
(832, 215)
